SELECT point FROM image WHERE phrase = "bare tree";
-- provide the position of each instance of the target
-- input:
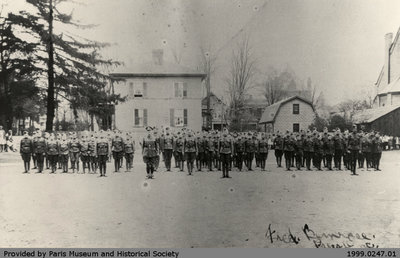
(240, 75)
(207, 66)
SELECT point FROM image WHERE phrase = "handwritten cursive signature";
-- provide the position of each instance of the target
(322, 240)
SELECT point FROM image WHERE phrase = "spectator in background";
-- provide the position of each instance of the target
(2, 139)
(390, 142)
(397, 142)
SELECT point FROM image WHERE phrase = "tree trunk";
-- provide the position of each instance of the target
(50, 73)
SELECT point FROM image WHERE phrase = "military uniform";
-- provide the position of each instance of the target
(117, 147)
(376, 153)
(201, 142)
(168, 145)
(190, 149)
(354, 144)
(92, 154)
(339, 150)
(179, 152)
(84, 153)
(39, 149)
(129, 150)
(74, 151)
(26, 150)
(217, 163)
(225, 152)
(209, 151)
(63, 154)
(299, 152)
(329, 147)
(52, 151)
(262, 150)
(288, 149)
(102, 149)
(308, 151)
(149, 151)
(239, 148)
(318, 152)
(366, 152)
(278, 146)
(250, 148)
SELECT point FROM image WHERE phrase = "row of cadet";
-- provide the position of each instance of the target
(212, 150)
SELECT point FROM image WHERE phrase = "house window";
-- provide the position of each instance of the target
(140, 117)
(179, 117)
(180, 89)
(296, 109)
(296, 128)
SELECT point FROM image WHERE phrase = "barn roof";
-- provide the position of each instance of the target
(370, 115)
(393, 87)
(272, 111)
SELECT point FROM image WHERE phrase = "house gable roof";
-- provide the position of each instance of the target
(153, 70)
(272, 111)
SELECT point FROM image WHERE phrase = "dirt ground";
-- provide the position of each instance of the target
(253, 209)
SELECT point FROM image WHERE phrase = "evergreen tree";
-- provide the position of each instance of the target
(72, 63)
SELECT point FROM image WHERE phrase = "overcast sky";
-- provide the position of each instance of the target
(338, 43)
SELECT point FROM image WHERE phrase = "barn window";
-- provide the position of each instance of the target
(296, 109)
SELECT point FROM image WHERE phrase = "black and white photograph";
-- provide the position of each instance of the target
(199, 124)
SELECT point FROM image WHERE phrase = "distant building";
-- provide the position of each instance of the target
(388, 83)
(218, 111)
(385, 114)
(293, 114)
(158, 94)
(383, 119)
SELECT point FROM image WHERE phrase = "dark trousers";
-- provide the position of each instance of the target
(338, 159)
(288, 159)
(239, 160)
(376, 159)
(278, 156)
(367, 156)
(53, 162)
(299, 160)
(317, 160)
(225, 161)
(361, 159)
(249, 160)
(329, 161)
(263, 159)
(167, 158)
(209, 158)
(353, 155)
(40, 161)
(199, 160)
(308, 155)
(103, 164)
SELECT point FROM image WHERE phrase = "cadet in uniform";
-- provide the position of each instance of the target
(288, 149)
(39, 149)
(179, 152)
(278, 146)
(149, 150)
(190, 150)
(168, 145)
(377, 147)
(329, 151)
(209, 151)
(64, 153)
(225, 152)
(117, 147)
(129, 150)
(74, 148)
(339, 150)
(84, 150)
(52, 151)
(102, 149)
(308, 150)
(353, 150)
(217, 163)
(35, 138)
(298, 151)
(92, 153)
(238, 150)
(262, 150)
(250, 149)
(26, 150)
(201, 142)
(318, 151)
(365, 151)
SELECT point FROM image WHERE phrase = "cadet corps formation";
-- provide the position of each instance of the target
(206, 150)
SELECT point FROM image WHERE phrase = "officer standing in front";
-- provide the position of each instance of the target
(25, 150)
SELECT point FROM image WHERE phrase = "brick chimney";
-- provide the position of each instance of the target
(158, 55)
(388, 43)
